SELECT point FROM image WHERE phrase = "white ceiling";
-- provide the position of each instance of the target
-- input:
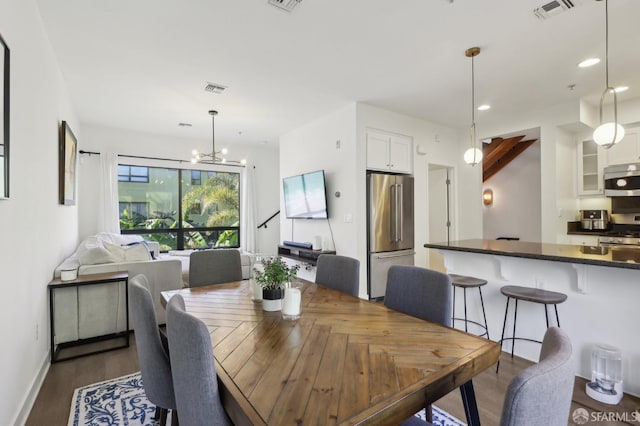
(143, 64)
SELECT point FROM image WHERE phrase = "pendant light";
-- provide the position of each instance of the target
(215, 157)
(610, 133)
(473, 155)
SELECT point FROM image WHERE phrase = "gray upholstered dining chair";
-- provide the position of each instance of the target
(155, 366)
(194, 375)
(419, 292)
(339, 272)
(214, 267)
(541, 394)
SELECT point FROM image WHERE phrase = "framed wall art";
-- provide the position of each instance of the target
(4, 119)
(68, 159)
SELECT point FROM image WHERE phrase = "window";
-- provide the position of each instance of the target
(133, 174)
(136, 210)
(195, 177)
(178, 213)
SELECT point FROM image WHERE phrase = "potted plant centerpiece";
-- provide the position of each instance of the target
(275, 273)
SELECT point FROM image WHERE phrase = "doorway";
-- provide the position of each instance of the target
(440, 198)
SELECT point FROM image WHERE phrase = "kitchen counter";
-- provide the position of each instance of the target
(619, 257)
(602, 285)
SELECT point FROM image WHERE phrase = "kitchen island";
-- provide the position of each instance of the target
(602, 285)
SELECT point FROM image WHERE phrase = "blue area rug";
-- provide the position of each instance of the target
(122, 402)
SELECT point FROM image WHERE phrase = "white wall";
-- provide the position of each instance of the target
(557, 160)
(125, 142)
(313, 146)
(37, 232)
(441, 145)
(515, 211)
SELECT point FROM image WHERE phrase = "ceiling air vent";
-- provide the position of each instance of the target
(554, 7)
(214, 88)
(287, 5)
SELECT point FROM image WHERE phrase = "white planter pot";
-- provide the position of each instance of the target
(271, 305)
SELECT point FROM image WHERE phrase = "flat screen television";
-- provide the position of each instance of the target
(305, 196)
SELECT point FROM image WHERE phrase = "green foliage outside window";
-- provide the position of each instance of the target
(214, 204)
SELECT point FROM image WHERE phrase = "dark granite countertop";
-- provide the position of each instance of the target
(619, 257)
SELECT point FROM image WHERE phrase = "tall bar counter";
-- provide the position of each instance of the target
(602, 284)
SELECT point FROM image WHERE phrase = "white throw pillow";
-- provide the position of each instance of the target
(133, 253)
(94, 255)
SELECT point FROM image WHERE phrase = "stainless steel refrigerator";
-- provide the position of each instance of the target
(390, 227)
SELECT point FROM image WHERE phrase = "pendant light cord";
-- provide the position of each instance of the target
(473, 112)
(606, 42)
(473, 97)
(213, 134)
(608, 89)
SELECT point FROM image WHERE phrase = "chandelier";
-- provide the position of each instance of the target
(214, 157)
(473, 155)
(610, 133)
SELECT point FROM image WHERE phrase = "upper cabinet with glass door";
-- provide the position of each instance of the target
(590, 165)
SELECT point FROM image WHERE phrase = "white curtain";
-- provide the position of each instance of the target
(248, 210)
(109, 211)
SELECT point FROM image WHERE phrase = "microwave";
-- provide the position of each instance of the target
(622, 180)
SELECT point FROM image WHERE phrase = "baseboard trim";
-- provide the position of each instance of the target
(30, 398)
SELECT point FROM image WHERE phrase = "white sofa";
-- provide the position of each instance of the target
(96, 310)
(246, 261)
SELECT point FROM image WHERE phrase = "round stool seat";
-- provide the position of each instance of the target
(535, 295)
(466, 282)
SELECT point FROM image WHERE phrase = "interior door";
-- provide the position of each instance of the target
(440, 202)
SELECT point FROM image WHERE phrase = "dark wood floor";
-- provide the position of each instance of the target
(53, 402)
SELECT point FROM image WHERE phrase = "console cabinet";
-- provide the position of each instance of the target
(389, 152)
(302, 254)
(77, 320)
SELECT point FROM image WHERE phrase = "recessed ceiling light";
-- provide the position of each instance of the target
(589, 62)
(484, 107)
(621, 89)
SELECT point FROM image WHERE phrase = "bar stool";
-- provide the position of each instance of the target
(464, 283)
(528, 294)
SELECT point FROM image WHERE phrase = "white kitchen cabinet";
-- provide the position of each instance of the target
(590, 165)
(388, 152)
(625, 151)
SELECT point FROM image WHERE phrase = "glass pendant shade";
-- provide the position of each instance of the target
(604, 134)
(473, 156)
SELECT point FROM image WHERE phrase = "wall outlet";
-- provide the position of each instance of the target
(540, 284)
(348, 218)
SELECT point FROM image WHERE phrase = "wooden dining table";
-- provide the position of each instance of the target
(345, 361)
